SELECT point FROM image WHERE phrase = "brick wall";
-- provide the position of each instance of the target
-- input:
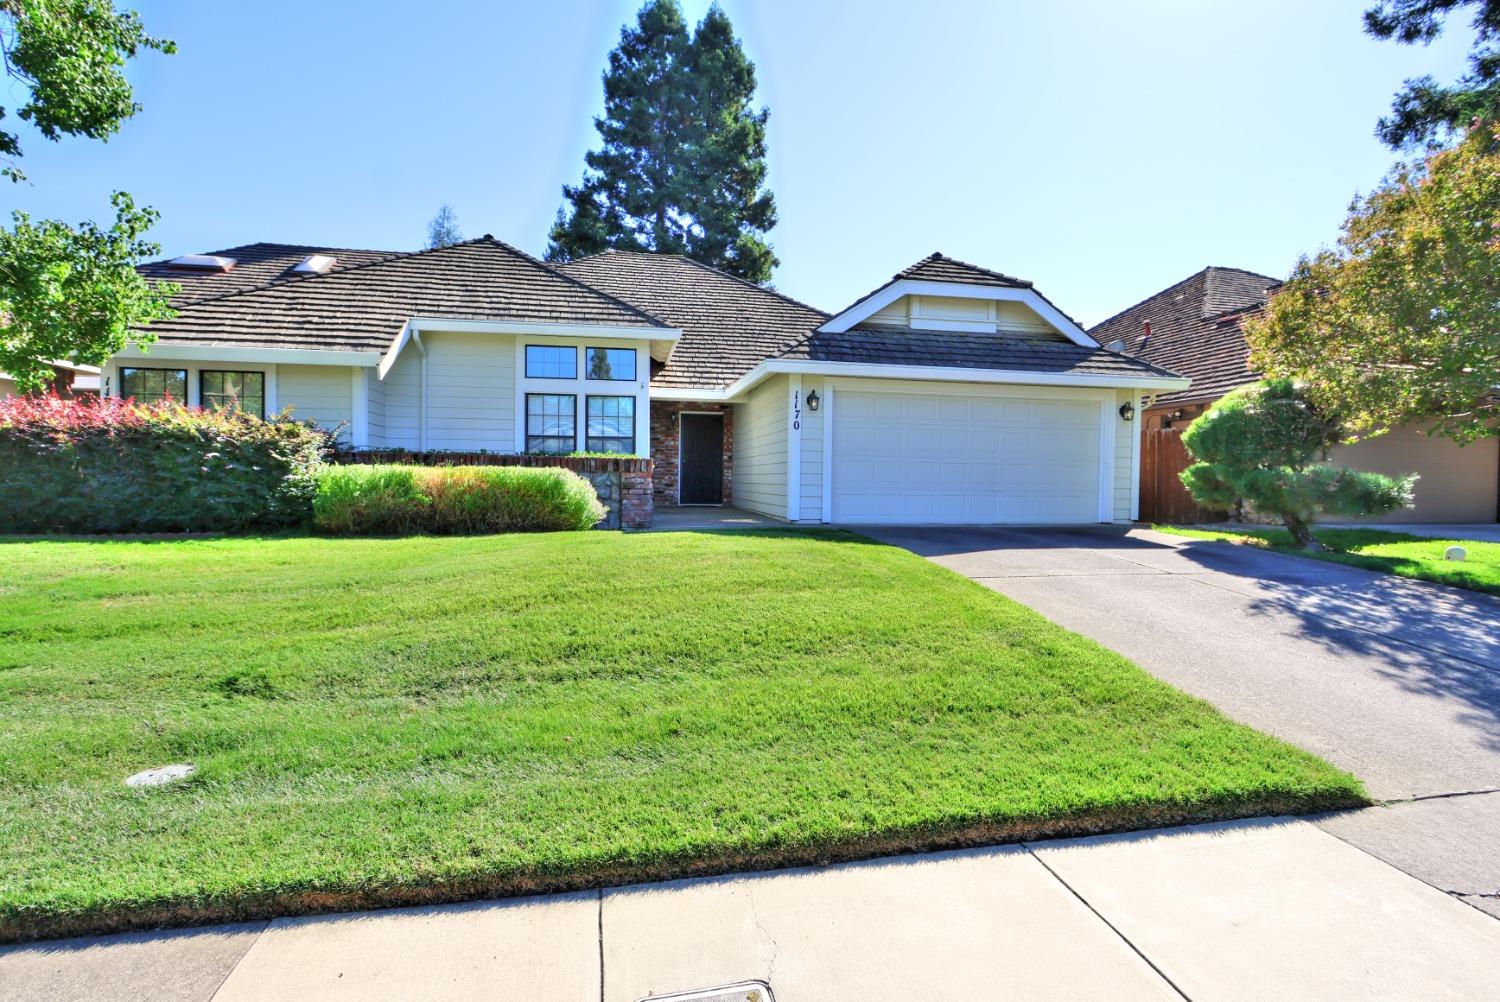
(664, 447)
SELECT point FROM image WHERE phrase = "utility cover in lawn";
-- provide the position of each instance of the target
(383, 721)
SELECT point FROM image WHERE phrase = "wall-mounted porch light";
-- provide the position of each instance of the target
(812, 400)
(1127, 411)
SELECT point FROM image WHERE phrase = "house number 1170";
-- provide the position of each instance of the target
(796, 410)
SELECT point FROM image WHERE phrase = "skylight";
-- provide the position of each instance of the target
(316, 264)
(202, 262)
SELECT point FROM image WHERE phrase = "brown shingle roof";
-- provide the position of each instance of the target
(1018, 352)
(1195, 330)
(935, 267)
(255, 265)
(728, 325)
(362, 308)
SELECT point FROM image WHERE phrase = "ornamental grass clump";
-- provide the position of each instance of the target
(393, 500)
(106, 465)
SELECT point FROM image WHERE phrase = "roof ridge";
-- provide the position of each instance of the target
(276, 243)
(487, 238)
(312, 276)
(748, 284)
(1157, 294)
(940, 256)
(554, 273)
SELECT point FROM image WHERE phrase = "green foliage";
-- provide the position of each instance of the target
(377, 721)
(393, 500)
(1426, 111)
(74, 294)
(1266, 444)
(682, 164)
(88, 465)
(69, 55)
(1399, 322)
(442, 229)
(66, 294)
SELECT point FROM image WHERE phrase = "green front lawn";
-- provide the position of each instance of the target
(1378, 550)
(382, 721)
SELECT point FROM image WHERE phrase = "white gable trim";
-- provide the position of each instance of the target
(662, 339)
(932, 373)
(225, 353)
(873, 304)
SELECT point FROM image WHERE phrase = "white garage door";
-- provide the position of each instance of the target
(919, 458)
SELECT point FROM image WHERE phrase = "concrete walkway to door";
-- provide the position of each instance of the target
(1397, 681)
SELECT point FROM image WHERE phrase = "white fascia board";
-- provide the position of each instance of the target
(223, 353)
(959, 290)
(932, 373)
(662, 339)
(943, 373)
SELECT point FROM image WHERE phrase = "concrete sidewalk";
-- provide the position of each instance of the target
(1263, 909)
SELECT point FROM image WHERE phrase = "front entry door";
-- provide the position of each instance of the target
(701, 454)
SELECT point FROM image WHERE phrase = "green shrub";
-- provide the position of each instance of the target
(108, 465)
(1268, 444)
(452, 500)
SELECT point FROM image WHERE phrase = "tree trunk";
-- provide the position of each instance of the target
(1301, 532)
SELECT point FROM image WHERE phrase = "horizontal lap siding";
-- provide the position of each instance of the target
(812, 453)
(400, 392)
(471, 391)
(760, 449)
(321, 393)
(1126, 433)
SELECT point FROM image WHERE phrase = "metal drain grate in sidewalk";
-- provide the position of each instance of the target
(743, 991)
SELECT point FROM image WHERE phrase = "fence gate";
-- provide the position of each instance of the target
(1163, 498)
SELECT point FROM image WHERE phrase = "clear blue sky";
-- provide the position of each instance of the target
(1101, 149)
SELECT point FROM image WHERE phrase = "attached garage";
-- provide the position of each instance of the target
(978, 456)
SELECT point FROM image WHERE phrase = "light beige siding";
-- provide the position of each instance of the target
(1127, 440)
(760, 449)
(321, 393)
(811, 508)
(471, 391)
(400, 395)
(1458, 483)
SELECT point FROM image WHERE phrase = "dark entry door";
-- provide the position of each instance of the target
(701, 453)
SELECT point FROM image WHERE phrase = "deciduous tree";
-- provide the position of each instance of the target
(1400, 321)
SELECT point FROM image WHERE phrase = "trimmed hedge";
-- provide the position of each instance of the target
(89, 465)
(390, 500)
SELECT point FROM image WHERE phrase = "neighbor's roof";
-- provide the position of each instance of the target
(1007, 350)
(728, 325)
(1195, 330)
(363, 307)
(255, 265)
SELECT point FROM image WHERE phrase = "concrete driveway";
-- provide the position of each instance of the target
(1397, 681)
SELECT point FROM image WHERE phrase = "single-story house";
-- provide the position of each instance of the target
(68, 379)
(1195, 328)
(949, 394)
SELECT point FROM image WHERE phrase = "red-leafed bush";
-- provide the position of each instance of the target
(87, 464)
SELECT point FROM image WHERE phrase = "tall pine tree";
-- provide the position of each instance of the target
(681, 169)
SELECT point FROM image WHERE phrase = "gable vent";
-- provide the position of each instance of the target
(202, 262)
(316, 264)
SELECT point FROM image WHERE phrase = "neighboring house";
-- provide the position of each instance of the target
(68, 380)
(950, 394)
(1195, 328)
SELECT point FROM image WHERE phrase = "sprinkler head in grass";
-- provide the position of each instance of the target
(1455, 553)
(161, 775)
